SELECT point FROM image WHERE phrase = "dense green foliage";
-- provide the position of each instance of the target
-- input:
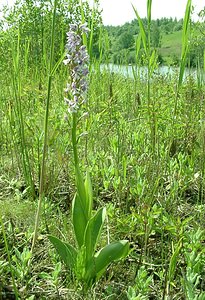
(31, 21)
(142, 139)
(166, 37)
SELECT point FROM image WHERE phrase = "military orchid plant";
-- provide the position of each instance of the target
(85, 261)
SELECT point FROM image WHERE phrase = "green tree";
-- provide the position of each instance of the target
(156, 36)
(126, 40)
(31, 21)
(198, 41)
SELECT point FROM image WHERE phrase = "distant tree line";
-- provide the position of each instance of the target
(121, 41)
(122, 38)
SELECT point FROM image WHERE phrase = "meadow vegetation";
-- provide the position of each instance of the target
(141, 142)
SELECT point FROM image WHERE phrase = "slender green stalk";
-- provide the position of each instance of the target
(26, 53)
(91, 32)
(204, 61)
(74, 140)
(151, 64)
(152, 120)
(20, 118)
(42, 176)
(185, 48)
(9, 258)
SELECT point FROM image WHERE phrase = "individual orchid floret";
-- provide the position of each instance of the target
(84, 28)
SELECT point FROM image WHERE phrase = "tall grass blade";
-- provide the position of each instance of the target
(9, 257)
(149, 11)
(138, 45)
(24, 157)
(43, 166)
(142, 29)
(185, 45)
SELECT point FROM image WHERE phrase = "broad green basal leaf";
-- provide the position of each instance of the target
(112, 252)
(89, 194)
(79, 219)
(67, 252)
(93, 231)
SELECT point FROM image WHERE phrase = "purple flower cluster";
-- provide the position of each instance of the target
(77, 59)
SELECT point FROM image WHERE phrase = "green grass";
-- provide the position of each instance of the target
(171, 45)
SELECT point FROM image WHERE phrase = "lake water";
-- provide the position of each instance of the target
(130, 71)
